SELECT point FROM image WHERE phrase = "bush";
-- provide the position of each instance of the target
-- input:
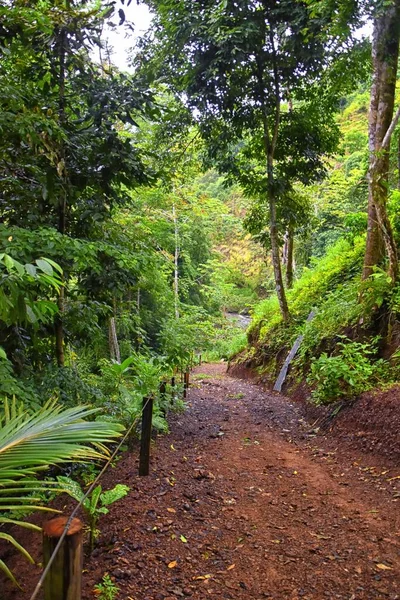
(346, 374)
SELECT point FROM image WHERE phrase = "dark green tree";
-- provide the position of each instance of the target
(66, 151)
(250, 72)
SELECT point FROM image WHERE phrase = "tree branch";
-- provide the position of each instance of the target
(392, 127)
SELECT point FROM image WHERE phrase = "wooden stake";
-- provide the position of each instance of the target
(145, 440)
(162, 391)
(185, 383)
(64, 579)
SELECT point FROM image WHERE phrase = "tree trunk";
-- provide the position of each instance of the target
(385, 51)
(59, 329)
(62, 205)
(176, 258)
(398, 163)
(269, 141)
(113, 340)
(276, 260)
(289, 257)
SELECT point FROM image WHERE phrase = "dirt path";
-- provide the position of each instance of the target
(243, 503)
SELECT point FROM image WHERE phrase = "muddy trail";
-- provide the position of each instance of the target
(246, 501)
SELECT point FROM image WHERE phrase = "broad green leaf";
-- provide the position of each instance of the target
(95, 495)
(30, 269)
(110, 496)
(55, 265)
(44, 266)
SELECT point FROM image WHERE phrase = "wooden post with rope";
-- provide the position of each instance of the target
(145, 439)
(64, 579)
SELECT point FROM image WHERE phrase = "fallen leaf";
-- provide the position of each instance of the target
(231, 567)
(171, 510)
(183, 539)
(383, 567)
(201, 577)
(172, 564)
(172, 447)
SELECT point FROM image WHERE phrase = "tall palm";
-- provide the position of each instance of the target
(30, 443)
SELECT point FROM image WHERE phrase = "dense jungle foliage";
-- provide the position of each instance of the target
(248, 163)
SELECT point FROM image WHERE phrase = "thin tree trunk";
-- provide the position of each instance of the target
(276, 260)
(176, 258)
(113, 340)
(270, 140)
(285, 248)
(59, 329)
(289, 257)
(385, 51)
(62, 206)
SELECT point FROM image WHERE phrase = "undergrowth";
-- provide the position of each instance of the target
(339, 354)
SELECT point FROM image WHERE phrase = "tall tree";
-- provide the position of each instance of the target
(385, 53)
(65, 151)
(241, 64)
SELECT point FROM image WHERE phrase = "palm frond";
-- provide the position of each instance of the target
(30, 443)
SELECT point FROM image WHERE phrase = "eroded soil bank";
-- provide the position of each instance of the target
(247, 499)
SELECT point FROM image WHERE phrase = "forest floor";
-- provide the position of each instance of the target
(247, 499)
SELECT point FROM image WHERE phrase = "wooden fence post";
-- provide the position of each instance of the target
(64, 579)
(172, 390)
(145, 439)
(162, 391)
(185, 383)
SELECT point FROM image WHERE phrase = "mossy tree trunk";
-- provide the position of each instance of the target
(385, 51)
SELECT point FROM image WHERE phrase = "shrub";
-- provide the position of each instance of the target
(346, 374)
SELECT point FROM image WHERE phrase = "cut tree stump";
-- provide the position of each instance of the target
(64, 579)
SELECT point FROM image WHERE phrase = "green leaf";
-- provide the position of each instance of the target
(44, 266)
(96, 493)
(55, 265)
(13, 541)
(71, 487)
(6, 570)
(30, 314)
(118, 492)
(30, 269)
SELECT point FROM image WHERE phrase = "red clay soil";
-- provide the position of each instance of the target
(248, 500)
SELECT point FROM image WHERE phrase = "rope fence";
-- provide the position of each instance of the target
(81, 501)
(70, 528)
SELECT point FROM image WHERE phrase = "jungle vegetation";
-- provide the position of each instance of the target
(247, 163)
